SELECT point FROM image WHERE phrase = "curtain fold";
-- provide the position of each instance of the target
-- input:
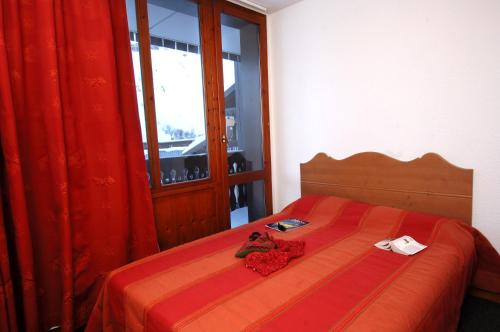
(75, 197)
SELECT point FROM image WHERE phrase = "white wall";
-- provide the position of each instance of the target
(398, 77)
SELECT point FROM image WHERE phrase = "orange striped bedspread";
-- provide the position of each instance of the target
(341, 283)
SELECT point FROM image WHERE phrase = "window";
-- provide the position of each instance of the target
(178, 89)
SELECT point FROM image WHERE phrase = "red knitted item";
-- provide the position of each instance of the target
(267, 262)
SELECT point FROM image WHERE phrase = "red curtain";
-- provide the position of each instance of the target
(75, 202)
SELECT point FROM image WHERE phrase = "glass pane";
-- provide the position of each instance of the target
(242, 93)
(247, 202)
(134, 44)
(178, 89)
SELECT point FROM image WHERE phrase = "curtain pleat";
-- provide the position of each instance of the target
(7, 302)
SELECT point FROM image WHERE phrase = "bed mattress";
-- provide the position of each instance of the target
(342, 282)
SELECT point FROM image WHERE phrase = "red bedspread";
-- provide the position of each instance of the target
(341, 282)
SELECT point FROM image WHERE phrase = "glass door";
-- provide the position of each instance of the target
(243, 69)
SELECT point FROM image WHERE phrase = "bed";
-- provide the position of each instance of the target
(342, 282)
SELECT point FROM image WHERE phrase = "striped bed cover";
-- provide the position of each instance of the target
(341, 283)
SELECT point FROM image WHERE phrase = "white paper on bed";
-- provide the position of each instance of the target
(404, 245)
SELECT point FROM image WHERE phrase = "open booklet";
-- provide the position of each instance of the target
(404, 245)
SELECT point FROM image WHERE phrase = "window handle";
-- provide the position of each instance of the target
(224, 139)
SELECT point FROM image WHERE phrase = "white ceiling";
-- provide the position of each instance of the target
(270, 5)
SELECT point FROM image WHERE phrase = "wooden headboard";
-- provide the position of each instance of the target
(426, 184)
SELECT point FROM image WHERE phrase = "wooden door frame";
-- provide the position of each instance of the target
(225, 7)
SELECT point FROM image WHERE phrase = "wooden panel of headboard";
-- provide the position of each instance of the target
(427, 184)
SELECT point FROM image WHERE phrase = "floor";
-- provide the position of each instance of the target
(239, 217)
(479, 315)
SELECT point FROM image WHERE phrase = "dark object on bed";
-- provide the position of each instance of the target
(257, 242)
(287, 225)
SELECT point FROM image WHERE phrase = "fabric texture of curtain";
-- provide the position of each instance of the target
(75, 201)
